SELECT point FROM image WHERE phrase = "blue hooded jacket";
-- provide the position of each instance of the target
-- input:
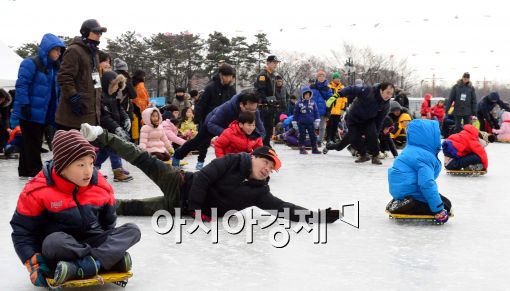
(321, 93)
(415, 170)
(36, 88)
(221, 117)
(305, 111)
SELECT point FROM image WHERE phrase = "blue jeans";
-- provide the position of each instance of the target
(103, 155)
(303, 128)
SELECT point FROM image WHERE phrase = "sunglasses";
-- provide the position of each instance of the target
(98, 32)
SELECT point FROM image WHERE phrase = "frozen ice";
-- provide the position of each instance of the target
(470, 252)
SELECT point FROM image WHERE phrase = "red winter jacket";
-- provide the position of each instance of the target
(50, 203)
(233, 140)
(437, 111)
(425, 105)
(466, 142)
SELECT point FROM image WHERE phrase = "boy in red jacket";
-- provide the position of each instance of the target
(465, 150)
(240, 136)
(66, 218)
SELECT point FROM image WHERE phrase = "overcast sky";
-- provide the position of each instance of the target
(442, 37)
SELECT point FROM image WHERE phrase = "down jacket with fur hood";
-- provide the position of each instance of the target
(113, 115)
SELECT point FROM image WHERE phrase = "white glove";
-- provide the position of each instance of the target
(121, 133)
(90, 132)
(316, 123)
(127, 125)
(294, 125)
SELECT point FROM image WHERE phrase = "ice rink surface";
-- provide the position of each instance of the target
(470, 252)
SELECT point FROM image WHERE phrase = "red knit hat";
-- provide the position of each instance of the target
(69, 146)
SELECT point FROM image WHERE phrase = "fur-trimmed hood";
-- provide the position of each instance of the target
(469, 84)
(110, 79)
(8, 98)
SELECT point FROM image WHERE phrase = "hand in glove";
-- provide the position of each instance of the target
(76, 105)
(90, 132)
(332, 215)
(127, 125)
(121, 133)
(294, 125)
(26, 111)
(38, 270)
(204, 217)
(442, 216)
(316, 123)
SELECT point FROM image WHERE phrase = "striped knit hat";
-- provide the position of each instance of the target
(69, 146)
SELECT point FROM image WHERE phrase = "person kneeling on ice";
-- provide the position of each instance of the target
(66, 218)
(412, 178)
(240, 136)
(465, 150)
(504, 132)
(399, 133)
(233, 182)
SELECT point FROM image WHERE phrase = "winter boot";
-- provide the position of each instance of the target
(124, 265)
(199, 166)
(376, 161)
(316, 151)
(352, 150)
(401, 206)
(126, 172)
(475, 167)
(325, 150)
(79, 269)
(362, 159)
(119, 176)
(302, 150)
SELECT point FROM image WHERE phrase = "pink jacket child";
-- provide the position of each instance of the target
(504, 132)
(152, 136)
(171, 132)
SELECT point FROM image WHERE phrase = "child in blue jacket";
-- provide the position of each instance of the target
(412, 178)
(307, 119)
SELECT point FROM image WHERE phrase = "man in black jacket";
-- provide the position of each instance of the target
(365, 117)
(484, 108)
(234, 182)
(217, 92)
(265, 87)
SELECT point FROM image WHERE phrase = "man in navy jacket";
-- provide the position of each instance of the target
(365, 117)
(219, 119)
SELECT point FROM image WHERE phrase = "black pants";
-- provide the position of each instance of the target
(342, 144)
(108, 247)
(200, 142)
(63, 127)
(332, 127)
(370, 143)
(387, 144)
(422, 208)
(462, 163)
(267, 117)
(30, 156)
(460, 121)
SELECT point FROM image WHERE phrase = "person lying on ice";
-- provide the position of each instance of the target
(233, 182)
(412, 178)
(465, 150)
(66, 217)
